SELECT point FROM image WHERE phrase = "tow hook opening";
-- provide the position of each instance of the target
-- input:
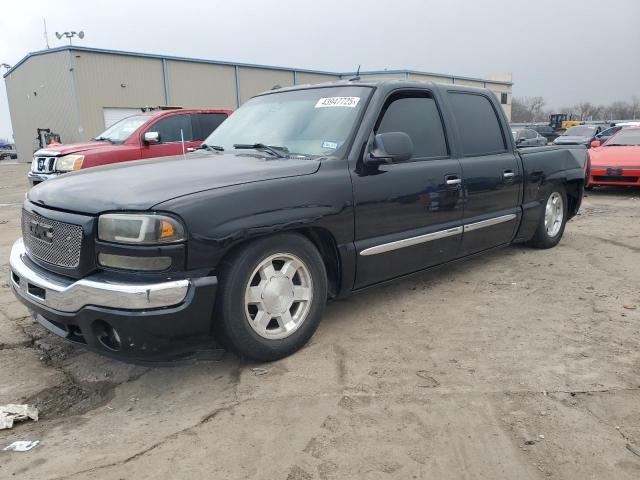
(107, 335)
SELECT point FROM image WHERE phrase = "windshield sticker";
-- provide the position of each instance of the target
(332, 145)
(350, 102)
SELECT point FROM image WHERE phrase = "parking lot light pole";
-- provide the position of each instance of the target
(5, 65)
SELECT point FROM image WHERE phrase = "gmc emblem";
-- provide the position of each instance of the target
(41, 231)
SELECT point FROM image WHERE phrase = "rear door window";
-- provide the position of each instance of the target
(173, 128)
(417, 115)
(205, 123)
(478, 125)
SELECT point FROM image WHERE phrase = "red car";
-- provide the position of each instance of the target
(616, 161)
(156, 133)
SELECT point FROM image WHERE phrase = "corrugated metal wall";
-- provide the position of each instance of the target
(40, 96)
(68, 90)
(105, 80)
(256, 80)
(303, 78)
(430, 78)
(201, 85)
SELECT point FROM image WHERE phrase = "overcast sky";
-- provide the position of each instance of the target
(566, 51)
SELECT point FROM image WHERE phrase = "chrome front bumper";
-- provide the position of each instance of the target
(65, 295)
(35, 177)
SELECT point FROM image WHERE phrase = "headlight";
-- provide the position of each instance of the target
(140, 228)
(69, 163)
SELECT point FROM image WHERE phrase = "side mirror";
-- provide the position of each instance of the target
(151, 138)
(595, 144)
(519, 140)
(390, 147)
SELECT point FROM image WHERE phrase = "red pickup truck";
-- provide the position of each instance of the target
(150, 134)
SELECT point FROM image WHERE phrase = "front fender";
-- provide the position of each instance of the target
(220, 219)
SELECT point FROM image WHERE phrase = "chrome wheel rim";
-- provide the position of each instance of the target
(278, 296)
(553, 214)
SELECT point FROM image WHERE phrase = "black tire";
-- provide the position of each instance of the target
(231, 323)
(541, 239)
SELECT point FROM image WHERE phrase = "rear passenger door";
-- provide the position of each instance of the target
(407, 215)
(490, 172)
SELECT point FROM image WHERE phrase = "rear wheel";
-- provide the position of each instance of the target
(553, 220)
(271, 297)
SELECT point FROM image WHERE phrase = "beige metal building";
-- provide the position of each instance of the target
(78, 91)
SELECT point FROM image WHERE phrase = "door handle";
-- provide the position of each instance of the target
(452, 180)
(508, 174)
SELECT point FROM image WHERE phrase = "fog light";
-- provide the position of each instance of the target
(107, 335)
(126, 262)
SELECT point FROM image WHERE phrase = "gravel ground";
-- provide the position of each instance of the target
(522, 364)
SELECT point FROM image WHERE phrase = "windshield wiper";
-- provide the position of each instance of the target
(102, 139)
(213, 148)
(273, 150)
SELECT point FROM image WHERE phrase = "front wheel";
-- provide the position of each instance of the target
(552, 221)
(271, 297)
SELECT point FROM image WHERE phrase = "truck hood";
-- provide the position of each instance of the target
(66, 149)
(621, 156)
(139, 185)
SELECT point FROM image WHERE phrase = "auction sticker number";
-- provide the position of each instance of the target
(350, 102)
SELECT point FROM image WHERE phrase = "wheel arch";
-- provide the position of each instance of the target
(322, 239)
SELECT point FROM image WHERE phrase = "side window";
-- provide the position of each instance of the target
(417, 115)
(531, 134)
(205, 123)
(478, 124)
(169, 128)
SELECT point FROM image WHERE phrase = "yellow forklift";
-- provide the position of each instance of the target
(562, 121)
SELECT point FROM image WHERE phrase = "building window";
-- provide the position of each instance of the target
(503, 98)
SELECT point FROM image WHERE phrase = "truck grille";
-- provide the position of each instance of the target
(43, 164)
(51, 241)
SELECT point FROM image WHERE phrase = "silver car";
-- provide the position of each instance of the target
(527, 137)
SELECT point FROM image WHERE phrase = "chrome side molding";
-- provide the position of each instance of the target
(488, 223)
(408, 242)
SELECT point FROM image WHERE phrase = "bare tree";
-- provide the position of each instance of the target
(529, 109)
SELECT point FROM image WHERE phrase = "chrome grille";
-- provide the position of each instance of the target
(51, 241)
(43, 164)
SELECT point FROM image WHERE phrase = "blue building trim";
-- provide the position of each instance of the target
(166, 58)
(165, 82)
(237, 70)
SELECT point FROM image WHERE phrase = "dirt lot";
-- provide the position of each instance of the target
(519, 364)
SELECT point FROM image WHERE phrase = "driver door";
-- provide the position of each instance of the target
(408, 216)
(171, 130)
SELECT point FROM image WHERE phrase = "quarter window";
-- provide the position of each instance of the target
(172, 129)
(478, 125)
(416, 115)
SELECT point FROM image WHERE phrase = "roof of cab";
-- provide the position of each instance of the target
(386, 83)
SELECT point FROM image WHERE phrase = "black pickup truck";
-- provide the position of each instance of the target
(303, 195)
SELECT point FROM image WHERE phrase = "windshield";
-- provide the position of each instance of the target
(625, 137)
(308, 122)
(581, 131)
(120, 131)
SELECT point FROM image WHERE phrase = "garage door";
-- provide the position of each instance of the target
(115, 114)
